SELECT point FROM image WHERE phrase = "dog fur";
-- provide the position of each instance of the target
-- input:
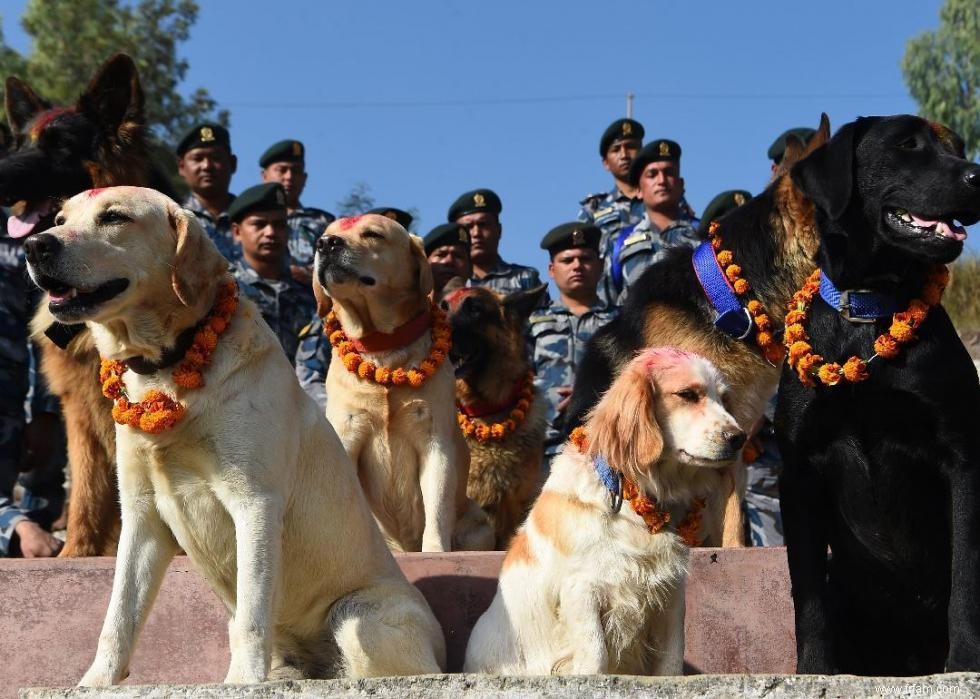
(252, 482)
(99, 142)
(490, 356)
(410, 455)
(774, 240)
(585, 588)
(886, 472)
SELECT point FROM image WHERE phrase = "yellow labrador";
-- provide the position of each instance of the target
(410, 454)
(251, 482)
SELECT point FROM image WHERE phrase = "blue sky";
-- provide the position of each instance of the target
(425, 100)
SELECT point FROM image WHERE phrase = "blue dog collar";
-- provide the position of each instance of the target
(733, 318)
(857, 305)
(610, 478)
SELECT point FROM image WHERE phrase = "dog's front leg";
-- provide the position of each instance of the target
(964, 611)
(146, 546)
(579, 610)
(437, 480)
(668, 636)
(258, 519)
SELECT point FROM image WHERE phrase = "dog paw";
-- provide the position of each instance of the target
(243, 673)
(100, 677)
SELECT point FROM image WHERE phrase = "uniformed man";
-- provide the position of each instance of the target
(285, 162)
(656, 173)
(313, 360)
(479, 213)
(447, 247)
(206, 163)
(402, 218)
(258, 225)
(775, 153)
(621, 206)
(558, 334)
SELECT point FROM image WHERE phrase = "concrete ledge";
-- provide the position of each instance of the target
(611, 686)
(739, 616)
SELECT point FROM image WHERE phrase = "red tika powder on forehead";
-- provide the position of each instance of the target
(95, 192)
(45, 120)
(454, 298)
(349, 222)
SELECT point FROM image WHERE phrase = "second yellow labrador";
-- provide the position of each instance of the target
(239, 469)
(373, 283)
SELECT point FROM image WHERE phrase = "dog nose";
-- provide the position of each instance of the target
(41, 247)
(329, 242)
(972, 177)
(735, 440)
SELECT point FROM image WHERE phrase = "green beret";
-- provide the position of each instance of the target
(446, 234)
(576, 234)
(477, 201)
(654, 151)
(721, 205)
(403, 218)
(621, 128)
(262, 197)
(778, 147)
(288, 151)
(203, 135)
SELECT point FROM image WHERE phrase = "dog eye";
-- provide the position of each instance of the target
(111, 216)
(373, 234)
(910, 143)
(689, 395)
(443, 305)
(59, 220)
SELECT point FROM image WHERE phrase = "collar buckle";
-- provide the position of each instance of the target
(845, 306)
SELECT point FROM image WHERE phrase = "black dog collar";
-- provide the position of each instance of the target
(170, 356)
(61, 334)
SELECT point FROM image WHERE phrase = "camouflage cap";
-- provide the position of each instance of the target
(403, 218)
(288, 151)
(446, 234)
(619, 129)
(721, 205)
(576, 234)
(654, 151)
(203, 135)
(478, 200)
(778, 147)
(262, 197)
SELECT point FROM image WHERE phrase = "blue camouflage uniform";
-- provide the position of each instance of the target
(18, 298)
(313, 360)
(506, 278)
(636, 248)
(557, 338)
(218, 230)
(762, 486)
(285, 304)
(610, 213)
(306, 225)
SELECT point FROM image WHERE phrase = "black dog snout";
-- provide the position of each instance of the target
(41, 248)
(735, 440)
(329, 242)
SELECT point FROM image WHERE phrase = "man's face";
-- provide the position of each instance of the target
(618, 157)
(292, 177)
(576, 271)
(661, 184)
(484, 229)
(448, 261)
(263, 235)
(208, 170)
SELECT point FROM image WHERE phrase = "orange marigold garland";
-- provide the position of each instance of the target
(646, 507)
(399, 376)
(157, 411)
(764, 337)
(811, 368)
(498, 431)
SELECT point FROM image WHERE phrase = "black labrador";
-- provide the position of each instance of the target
(885, 472)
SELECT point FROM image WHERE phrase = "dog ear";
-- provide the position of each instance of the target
(452, 285)
(424, 270)
(323, 302)
(197, 264)
(519, 305)
(114, 96)
(623, 427)
(826, 176)
(21, 104)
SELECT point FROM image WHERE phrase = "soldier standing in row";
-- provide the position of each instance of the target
(258, 223)
(447, 248)
(559, 333)
(285, 162)
(206, 163)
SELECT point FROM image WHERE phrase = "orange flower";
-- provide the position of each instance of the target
(398, 376)
(762, 322)
(415, 377)
(795, 317)
(797, 350)
(918, 311)
(218, 325)
(754, 307)
(382, 375)
(886, 347)
(468, 429)
(763, 339)
(187, 377)
(794, 333)
(195, 356)
(497, 431)
(741, 286)
(901, 331)
(579, 438)
(428, 367)
(113, 387)
(344, 347)
(830, 374)
(855, 370)
(351, 361)
(336, 337)
(206, 339)
(482, 432)
(713, 227)
(733, 272)
(725, 257)
(366, 369)
(716, 244)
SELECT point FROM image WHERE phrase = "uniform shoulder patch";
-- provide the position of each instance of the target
(540, 319)
(591, 199)
(635, 238)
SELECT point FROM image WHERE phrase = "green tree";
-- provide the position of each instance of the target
(942, 71)
(72, 38)
(357, 201)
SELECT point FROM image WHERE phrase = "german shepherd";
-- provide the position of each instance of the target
(773, 239)
(493, 380)
(99, 142)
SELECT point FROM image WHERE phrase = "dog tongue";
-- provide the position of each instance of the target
(21, 226)
(947, 230)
